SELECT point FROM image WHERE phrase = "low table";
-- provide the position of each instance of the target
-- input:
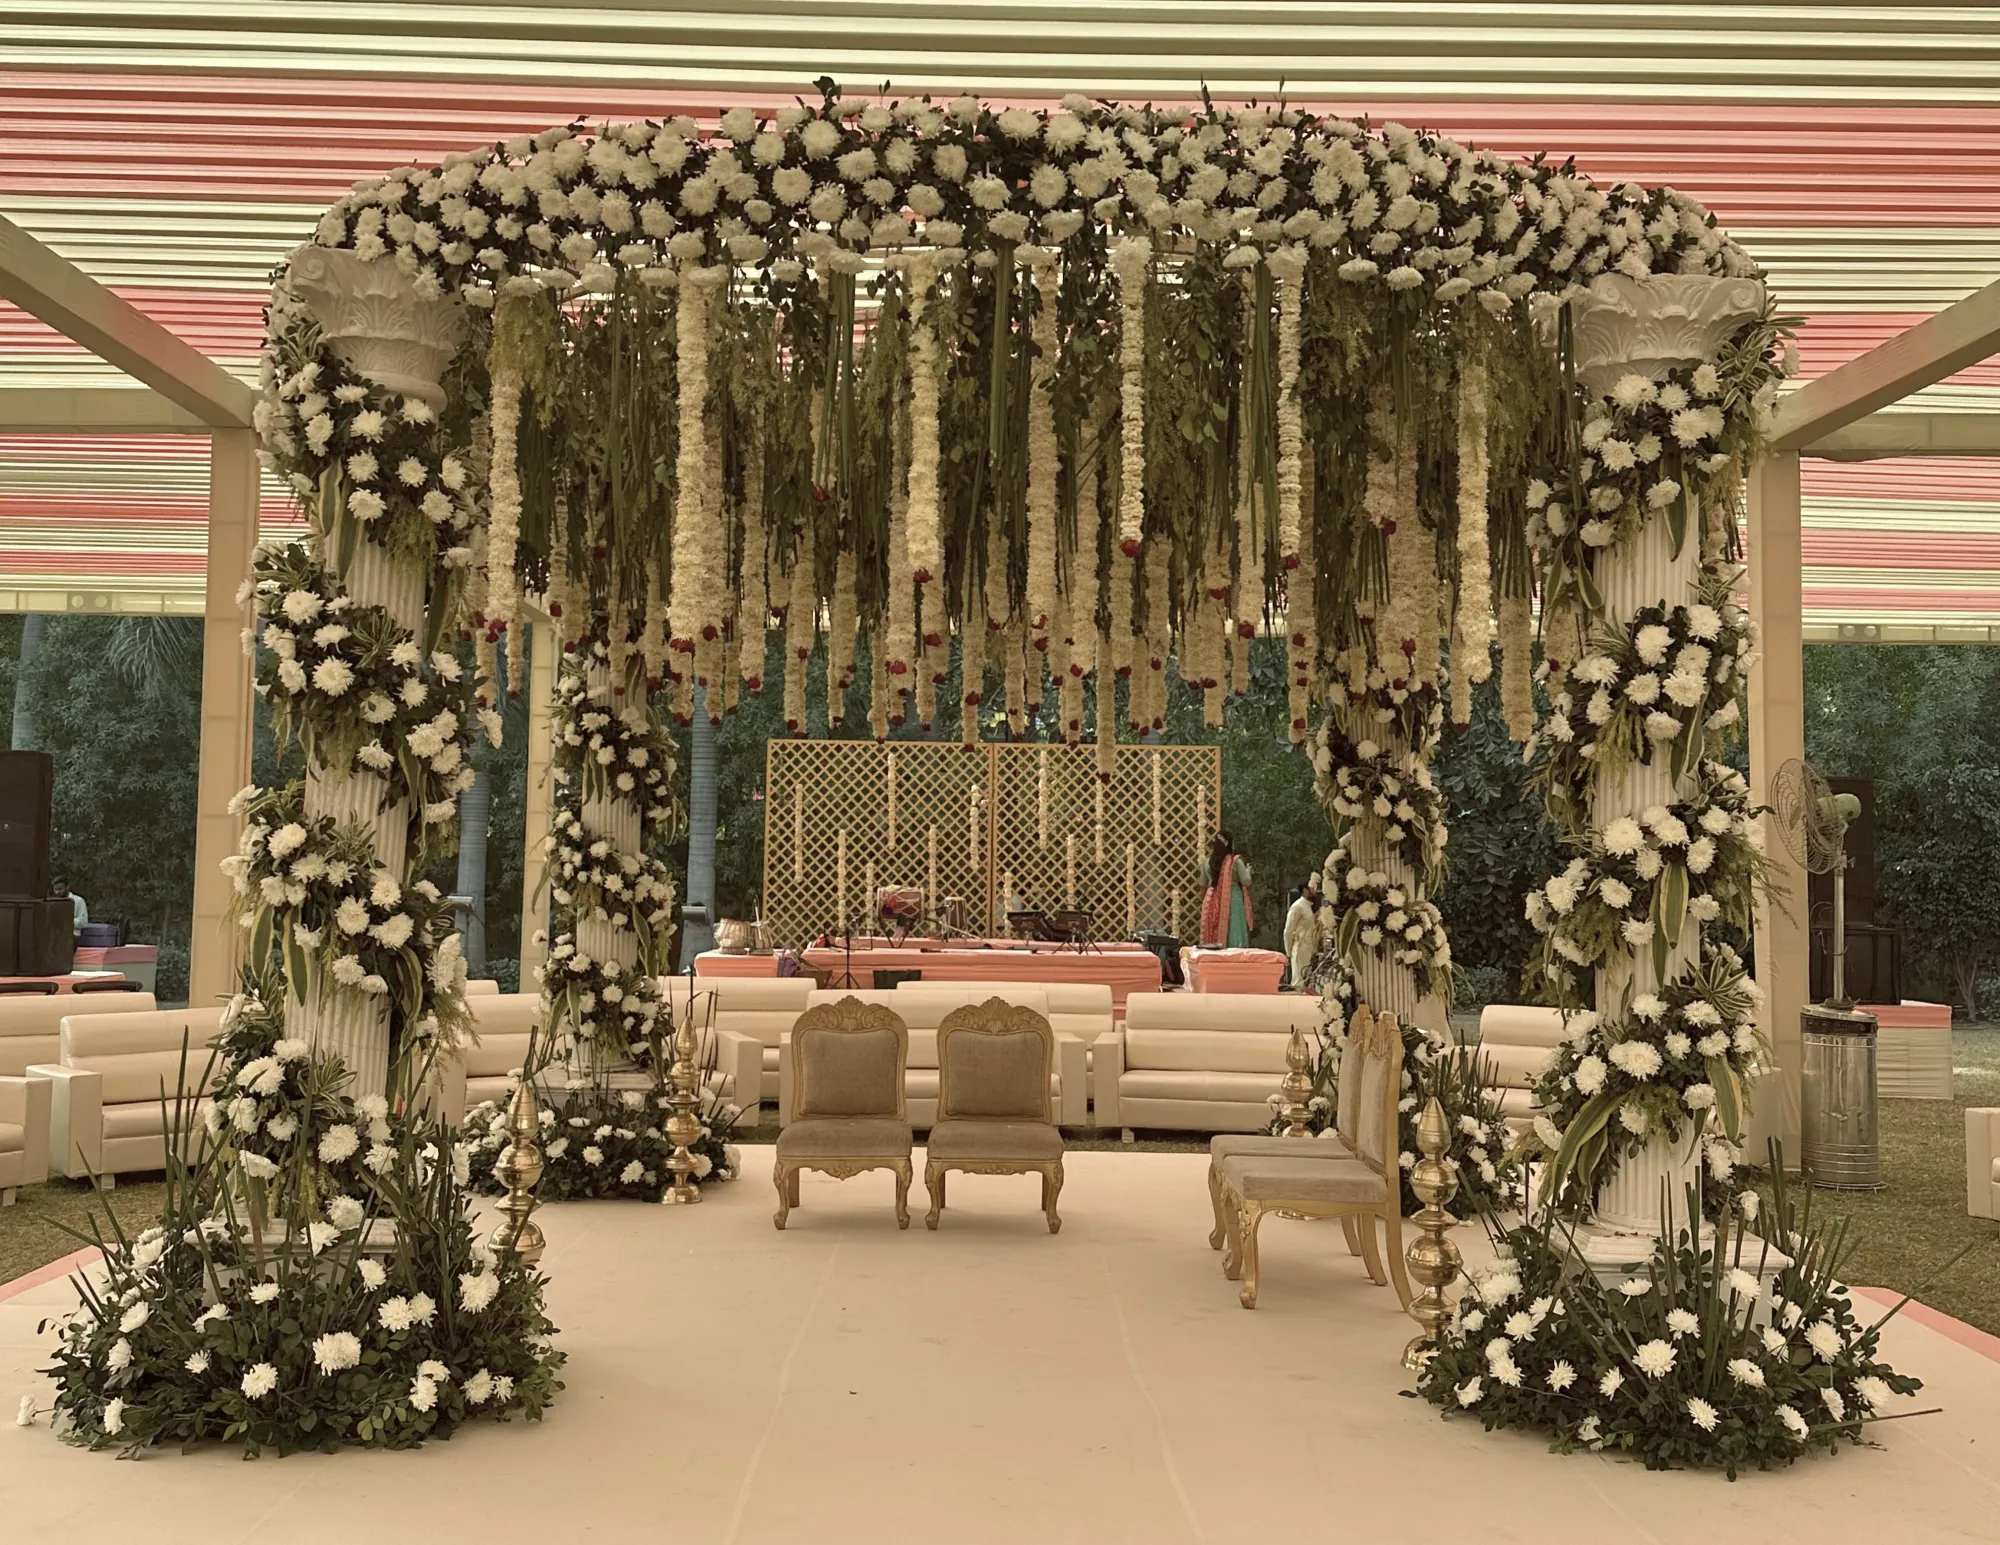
(1124, 968)
(719, 963)
(1912, 1049)
(70, 982)
(1235, 970)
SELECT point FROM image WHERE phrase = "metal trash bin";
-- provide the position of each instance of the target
(1838, 1141)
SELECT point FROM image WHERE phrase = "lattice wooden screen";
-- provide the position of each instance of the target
(842, 814)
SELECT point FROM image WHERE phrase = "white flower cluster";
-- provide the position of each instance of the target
(361, 682)
(1607, 900)
(395, 479)
(1369, 914)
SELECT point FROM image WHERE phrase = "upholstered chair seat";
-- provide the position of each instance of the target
(848, 1110)
(1353, 1175)
(1030, 1140)
(995, 1114)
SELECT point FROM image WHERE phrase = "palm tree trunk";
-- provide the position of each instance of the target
(701, 827)
(475, 806)
(34, 628)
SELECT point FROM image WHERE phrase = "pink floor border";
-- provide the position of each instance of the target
(49, 1273)
(1971, 1337)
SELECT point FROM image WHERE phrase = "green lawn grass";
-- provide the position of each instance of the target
(1902, 1235)
(31, 1231)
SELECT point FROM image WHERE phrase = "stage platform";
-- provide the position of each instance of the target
(844, 1381)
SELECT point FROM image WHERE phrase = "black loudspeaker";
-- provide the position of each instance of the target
(27, 805)
(37, 938)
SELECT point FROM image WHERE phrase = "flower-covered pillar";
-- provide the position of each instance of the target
(1372, 759)
(1648, 652)
(613, 901)
(384, 329)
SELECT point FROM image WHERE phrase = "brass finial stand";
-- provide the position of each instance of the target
(1296, 1089)
(1433, 1259)
(684, 1125)
(520, 1170)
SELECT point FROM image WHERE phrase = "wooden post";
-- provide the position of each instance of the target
(216, 943)
(1777, 733)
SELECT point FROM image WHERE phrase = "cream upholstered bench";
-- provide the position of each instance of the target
(488, 1064)
(922, 1008)
(119, 1082)
(1081, 1009)
(759, 1009)
(1515, 1042)
(486, 1069)
(31, 1033)
(1982, 1163)
(1197, 1062)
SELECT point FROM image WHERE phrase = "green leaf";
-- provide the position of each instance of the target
(1673, 894)
(1588, 1123)
(1728, 1098)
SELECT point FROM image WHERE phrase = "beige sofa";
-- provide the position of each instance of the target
(119, 1079)
(922, 1007)
(503, 1022)
(754, 1008)
(1081, 1009)
(31, 1034)
(1982, 1163)
(1197, 1062)
(1515, 1041)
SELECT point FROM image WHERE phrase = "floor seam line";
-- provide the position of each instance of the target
(778, 1400)
(1145, 1390)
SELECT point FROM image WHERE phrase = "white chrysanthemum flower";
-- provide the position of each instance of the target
(1702, 1414)
(1836, 1405)
(1682, 1322)
(1823, 1336)
(1612, 1381)
(335, 1351)
(1746, 1373)
(1655, 1358)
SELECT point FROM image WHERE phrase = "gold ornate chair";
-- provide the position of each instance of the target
(994, 1113)
(848, 1112)
(1359, 1183)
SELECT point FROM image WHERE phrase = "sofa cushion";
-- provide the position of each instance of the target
(1506, 1066)
(13, 1137)
(140, 1053)
(1163, 1084)
(1030, 1141)
(1233, 1013)
(872, 1137)
(1196, 1050)
(997, 1075)
(848, 1072)
(1267, 1179)
(31, 1023)
(147, 1118)
(1520, 1024)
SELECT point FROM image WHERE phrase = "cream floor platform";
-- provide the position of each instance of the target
(843, 1381)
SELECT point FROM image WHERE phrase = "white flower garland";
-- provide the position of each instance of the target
(698, 587)
(1288, 268)
(1043, 454)
(1131, 260)
(1472, 625)
(926, 552)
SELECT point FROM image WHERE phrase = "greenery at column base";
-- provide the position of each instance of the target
(605, 1143)
(1672, 1366)
(314, 1282)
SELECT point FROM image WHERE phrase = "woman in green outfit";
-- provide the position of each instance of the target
(1226, 917)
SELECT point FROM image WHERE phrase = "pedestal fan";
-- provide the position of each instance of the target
(1838, 1139)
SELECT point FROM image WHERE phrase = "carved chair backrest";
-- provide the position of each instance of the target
(848, 1060)
(1381, 1087)
(994, 1060)
(1347, 1086)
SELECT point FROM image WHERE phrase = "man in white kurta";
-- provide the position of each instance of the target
(1302, 931)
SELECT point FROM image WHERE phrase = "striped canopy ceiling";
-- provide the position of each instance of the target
(177, 150)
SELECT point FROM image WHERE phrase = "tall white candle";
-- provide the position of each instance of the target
(840, 876)
(1069, 869)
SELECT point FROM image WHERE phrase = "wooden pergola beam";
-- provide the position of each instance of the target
(94, 410)
(1939, 346)
(58, 292)
(1910, 434)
